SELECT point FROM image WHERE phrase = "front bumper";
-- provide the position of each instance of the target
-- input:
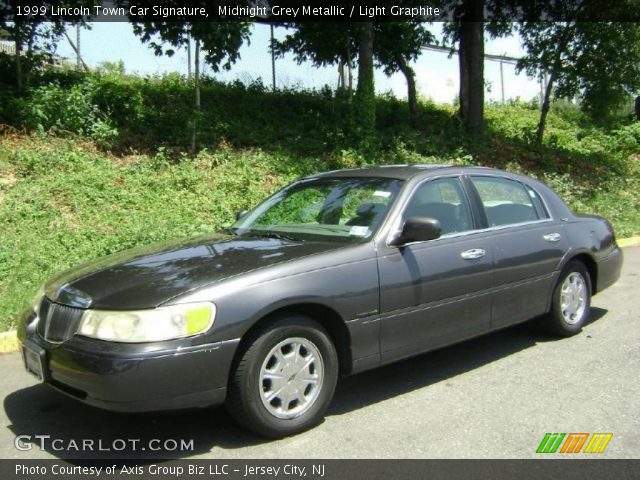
(135, 377)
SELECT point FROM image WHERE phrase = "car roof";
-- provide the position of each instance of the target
(401, 172)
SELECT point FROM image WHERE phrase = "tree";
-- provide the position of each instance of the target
(388, 45)
(323, 44)
(330, 43)
(36, 39)
(220, 42)
(546, 42)
(600, 62)
(597, 61)
(365, 106)
(467, 30)
(397, 45)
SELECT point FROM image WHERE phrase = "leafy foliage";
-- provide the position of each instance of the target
(63, 200)
(597, 61)
(53, 107)
(221, 41)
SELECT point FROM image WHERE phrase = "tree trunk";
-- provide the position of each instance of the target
(546, 105)
(365, 91)
(471, 61)
(197, 95)
(546, 101)
(463, 96)
(30, 41)
(31, 38)
(349, 66)
(412, 96)
(189, 58)
(18, 45)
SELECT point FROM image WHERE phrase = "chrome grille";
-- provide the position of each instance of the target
(56, 322)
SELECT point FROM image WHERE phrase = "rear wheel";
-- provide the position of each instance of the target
(571, 300)
(285, 378)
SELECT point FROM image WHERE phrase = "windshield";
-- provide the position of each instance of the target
(341, 209)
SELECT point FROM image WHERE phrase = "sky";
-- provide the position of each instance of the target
(436, 73)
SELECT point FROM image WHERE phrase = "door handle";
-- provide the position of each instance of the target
(473, 254)
(551, 237)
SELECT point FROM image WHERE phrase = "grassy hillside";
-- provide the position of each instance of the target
(109, 175)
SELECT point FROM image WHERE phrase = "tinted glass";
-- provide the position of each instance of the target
(444, 200)
(505, 201)
(343, 209)
(538, 203)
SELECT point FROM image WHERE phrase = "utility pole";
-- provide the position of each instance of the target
(197, 96)
(75, 49)
(502, 81)
(541, 90)
(273, 62)
(78, 63)
(189, 57)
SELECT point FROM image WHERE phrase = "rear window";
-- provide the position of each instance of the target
(505, 201)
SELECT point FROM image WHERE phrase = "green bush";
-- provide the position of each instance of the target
(67, 109)
(105, 167)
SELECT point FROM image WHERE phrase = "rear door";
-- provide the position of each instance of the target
(436, 292)
(527, 247)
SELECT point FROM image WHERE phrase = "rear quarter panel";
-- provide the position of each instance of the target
(590, 234)
(594, 236)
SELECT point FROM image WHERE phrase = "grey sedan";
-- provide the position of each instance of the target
(335, 274)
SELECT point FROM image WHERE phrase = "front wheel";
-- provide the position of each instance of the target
(571, 300)
(285, 378)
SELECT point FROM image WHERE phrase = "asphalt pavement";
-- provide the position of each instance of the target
(492, 397)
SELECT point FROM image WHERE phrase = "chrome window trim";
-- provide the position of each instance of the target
(524, 184)
(395, 223)
(542, 201)
(478, 231)
(395, 227)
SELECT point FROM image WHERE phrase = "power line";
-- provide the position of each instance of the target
(488, 56)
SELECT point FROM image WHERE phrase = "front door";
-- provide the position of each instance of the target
(436, 292)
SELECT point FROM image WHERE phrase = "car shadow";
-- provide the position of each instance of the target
(440, 365)
(39, 410)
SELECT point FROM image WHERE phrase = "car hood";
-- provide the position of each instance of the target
(146, 277)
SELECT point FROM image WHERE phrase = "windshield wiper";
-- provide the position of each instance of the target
(272, 234)
(229, 231)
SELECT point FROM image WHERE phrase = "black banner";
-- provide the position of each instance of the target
(288, 11)
(320, 469)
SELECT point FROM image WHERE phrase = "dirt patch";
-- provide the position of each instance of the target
(8, 178)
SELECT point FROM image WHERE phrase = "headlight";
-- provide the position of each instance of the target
(163, 323)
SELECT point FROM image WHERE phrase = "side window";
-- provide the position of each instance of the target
(505, 201)
(444, 200)
(537, 203)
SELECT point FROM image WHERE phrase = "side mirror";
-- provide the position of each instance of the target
(241, 214)
(418, 229)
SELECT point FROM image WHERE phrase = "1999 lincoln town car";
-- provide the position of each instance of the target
(334, 274)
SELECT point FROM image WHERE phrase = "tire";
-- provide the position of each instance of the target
(271, 390)
(567, 317)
